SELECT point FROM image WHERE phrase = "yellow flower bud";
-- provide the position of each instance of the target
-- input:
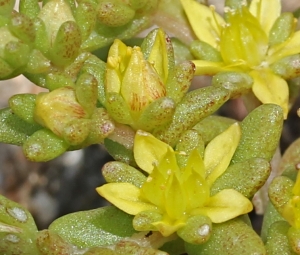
(131, 81)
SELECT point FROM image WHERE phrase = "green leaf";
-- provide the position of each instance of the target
(238, 83)
(212, 126)
(6, 7)
(98, 227)
(229, 238)
(261, 131)
(17, 229)
(271, 215)
(246, 177)
(277, 242)
(30, 8)
(66, 45)
(120, 172)
(119, 152)
(195, 106)
(14, 130)
(114, 13)
(157, 114)
(23, 105)
(22, 27)
(43, 145)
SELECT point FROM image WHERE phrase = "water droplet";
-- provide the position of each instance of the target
(204, 230)
(18, 213)
(12, 238)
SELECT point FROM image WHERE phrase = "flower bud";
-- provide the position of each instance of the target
(60, 111)
(132, 84)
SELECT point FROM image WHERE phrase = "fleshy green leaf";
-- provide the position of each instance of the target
(103, 226)
(43, 145)
(229, 238)
(17, 229)
(14, 130)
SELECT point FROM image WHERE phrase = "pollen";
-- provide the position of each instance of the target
(149, 179)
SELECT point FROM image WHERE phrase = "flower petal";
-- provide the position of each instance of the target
(204, 67)
(148, 150)
(266, 11)
(288, 48)
(296, 189)
(206, 23)
(225, 205)
(270, 88)
(125, 196)
(154, 189)
(219, 152)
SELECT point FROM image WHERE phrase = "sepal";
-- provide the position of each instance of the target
(197, 230)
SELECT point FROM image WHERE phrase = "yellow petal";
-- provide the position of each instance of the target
(225, 205)
(290, 47)
(219, 152)
(270, 88)
(125, 196)
(296, 209)
(148, 150)
(296, 189)
(206, 23)
(158, 55)
(204, 67)
(154, 189)
(266, 11)
(175, 199)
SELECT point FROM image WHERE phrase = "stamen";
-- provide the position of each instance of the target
(155, 163)
(213, 10)
(227, 9)
(149, 179)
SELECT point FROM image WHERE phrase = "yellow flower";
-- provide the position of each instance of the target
(171, 195)
(247, 42)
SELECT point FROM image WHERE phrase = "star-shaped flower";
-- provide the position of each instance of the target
(172, 195)
(251, 39)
